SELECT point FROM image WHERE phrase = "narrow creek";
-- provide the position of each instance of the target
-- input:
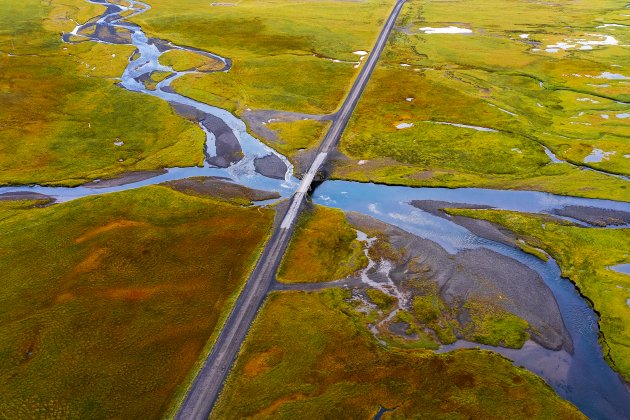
(583, 378)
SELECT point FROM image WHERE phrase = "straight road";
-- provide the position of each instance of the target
(205, 390)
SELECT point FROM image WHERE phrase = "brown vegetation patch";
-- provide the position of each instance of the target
(118, 316)
(140, 293)
(64, 298)
(268, 411)
(92, 261)
(263, 362)
(118, 224)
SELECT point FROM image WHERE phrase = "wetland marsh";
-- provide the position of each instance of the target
(137, 198)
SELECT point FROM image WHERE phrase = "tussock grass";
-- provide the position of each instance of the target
(108, 301)
(319, 362)
(324, 248)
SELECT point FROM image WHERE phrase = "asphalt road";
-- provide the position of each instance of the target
(207, 385)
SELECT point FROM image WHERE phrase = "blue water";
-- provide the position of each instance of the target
(252, 180)
(621, 268)
(583, 378)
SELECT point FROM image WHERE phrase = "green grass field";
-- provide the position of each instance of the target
(583, 255)
(319, 361)
(324, 248)
(59, 102)
(500, 76)
(296, 136)
(180, 60)
(108, 301)
(285, 55)
(282, 51)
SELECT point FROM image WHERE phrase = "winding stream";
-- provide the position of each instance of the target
(584, 378)
(141, 65)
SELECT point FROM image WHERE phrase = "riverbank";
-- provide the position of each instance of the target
(584, 254)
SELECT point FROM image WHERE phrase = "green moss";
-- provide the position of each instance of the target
(297, 135)
(494, 326)
(181, 60)
(533, 251)
(324, 247)
(156, 77)
(445, 330)
(384, 301)
(431, 311)
(415, 335)
(427, 308)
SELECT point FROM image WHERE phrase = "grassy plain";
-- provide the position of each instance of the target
(583, 255)
(320, 362)
(324, 248)
(285, 55)
(59, 102)
(296, 136)
(282, 52)
(501, 76)
(108, 301)
(181, 60)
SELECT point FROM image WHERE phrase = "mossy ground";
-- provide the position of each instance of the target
(324, 248)
(59, 101)
(321, 362)
(494, 78)
(583, 255)
(108, 301)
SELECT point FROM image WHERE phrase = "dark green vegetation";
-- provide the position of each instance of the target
(501, 76)
(381, 299)
(583, 254)
(324, 248)
(59, 101)
(320, 362)
(107, 302)
(494, 326)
